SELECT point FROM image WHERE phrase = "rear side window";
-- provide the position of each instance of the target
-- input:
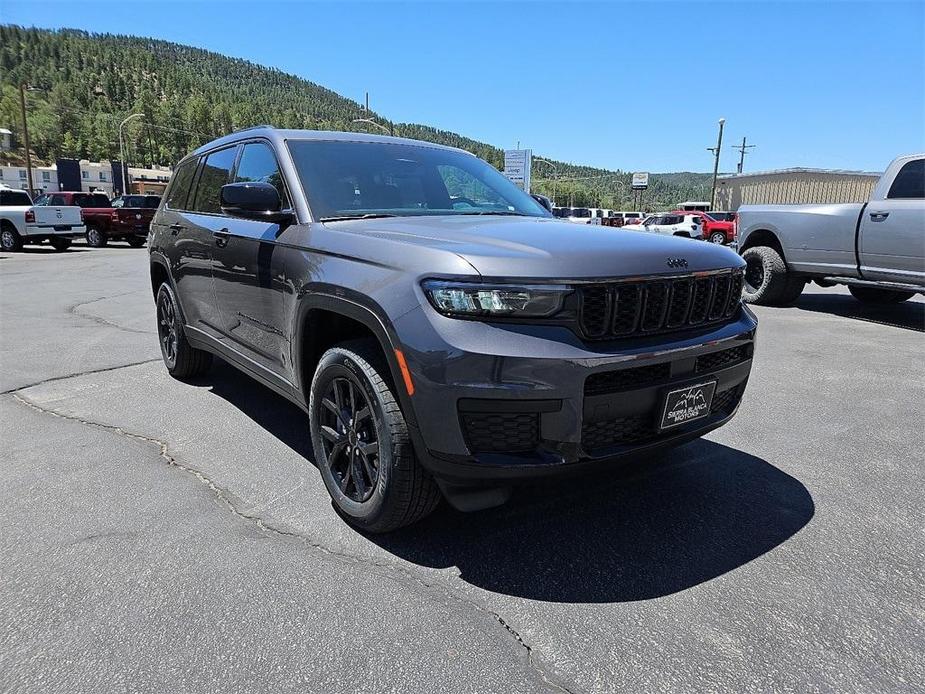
(909, 182)
(14, 198)
(180, 185)
(216, 172)
(258, 165)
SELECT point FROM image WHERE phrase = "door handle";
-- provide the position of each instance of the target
(221, 237)
(176, 229)
(878, 216)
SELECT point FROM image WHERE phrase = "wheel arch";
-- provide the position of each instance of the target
(324, 319)
(763, 237)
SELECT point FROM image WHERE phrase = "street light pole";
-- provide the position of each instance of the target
(555, 175)
(25, 133)
(122, 151)
(719, 146)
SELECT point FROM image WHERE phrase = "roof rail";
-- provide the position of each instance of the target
(253, 127)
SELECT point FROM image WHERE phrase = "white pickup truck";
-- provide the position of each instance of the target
(21, 223)
(876, 248)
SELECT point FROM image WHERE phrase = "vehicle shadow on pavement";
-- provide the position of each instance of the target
(632, 533)
(908, 314)
(644, 532)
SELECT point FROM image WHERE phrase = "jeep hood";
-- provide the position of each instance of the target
(529, 247)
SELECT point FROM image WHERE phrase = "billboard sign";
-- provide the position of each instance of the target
(517, 167)
(640, 180)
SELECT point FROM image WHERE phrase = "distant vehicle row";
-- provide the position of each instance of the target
(61, 217)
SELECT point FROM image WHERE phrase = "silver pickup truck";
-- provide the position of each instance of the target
(876, 248)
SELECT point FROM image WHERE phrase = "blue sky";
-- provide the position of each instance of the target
(630, 85)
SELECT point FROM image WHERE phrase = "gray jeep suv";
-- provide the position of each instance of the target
(444, 333)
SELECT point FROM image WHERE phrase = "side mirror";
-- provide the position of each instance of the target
(257, 201)
(544, 201)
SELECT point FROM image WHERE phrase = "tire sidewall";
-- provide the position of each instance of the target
(718, 235)
(101, 240)
(15, 241)
(165, 289)
(340, 363)
(759, 293)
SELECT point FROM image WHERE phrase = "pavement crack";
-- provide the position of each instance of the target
(99, 320)
(75, 375)
(386, 570)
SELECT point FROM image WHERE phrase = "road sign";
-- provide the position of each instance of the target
(640, 180)
(517, 167)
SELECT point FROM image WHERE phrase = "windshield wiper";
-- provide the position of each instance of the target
(374, 215)
(502, 213)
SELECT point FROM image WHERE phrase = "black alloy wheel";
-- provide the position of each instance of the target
(754, 274)
(167, 328)
(350, 443)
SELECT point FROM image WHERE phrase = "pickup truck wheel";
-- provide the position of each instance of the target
(361, 442)
(181, 359)
(717, 237)
(136, 242)
(767, 281)
(60, 244)
(873, 295)
(95, 237)
(10, 240)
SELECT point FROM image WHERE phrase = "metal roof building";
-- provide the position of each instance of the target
(794, 186)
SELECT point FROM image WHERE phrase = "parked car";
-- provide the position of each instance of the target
(21, 222)
(715, 229)
(876, 248)
(671, 224)
(580, 215)
(105, 222)
(439, 349)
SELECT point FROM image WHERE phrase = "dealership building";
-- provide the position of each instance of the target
(793, 186)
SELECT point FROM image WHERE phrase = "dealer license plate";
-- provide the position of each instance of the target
(687, 404)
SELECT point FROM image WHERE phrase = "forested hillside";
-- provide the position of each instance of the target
(89, 82)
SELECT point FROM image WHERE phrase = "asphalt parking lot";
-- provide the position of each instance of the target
(168, 537)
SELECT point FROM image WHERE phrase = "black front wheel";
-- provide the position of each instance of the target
(60, 244)
(137, 241)
(181, 359)
(361, 442)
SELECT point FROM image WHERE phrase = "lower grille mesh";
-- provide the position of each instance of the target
(501, 432)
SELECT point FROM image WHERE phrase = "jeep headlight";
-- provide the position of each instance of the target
(512, 301)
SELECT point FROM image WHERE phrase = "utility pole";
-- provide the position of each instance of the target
(742, 152)
(716, 151)
(25, 133)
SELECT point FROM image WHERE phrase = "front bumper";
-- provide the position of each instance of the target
(509, 402)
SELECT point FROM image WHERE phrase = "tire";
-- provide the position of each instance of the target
(10, 240)
(873, 295)
(767, 280)
(96, 238)
(379, 485)
(136, 242)
(60, 244)
(181, 359)
(717, 237)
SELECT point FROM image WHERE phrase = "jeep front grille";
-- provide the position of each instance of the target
(643, 307)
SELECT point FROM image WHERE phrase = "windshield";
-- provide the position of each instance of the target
(358, 179)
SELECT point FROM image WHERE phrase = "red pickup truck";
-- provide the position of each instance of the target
(127, 218)
(718, 227)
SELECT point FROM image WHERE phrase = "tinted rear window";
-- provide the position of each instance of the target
(910, 181)
(91, 200)
(14, 198)
(180, 185)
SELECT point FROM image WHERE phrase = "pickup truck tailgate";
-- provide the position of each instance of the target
(56, 216)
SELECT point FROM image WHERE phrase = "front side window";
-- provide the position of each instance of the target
(356, 179)
(179, 187)
(258, 165)
(909, 182)
(216, 171)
